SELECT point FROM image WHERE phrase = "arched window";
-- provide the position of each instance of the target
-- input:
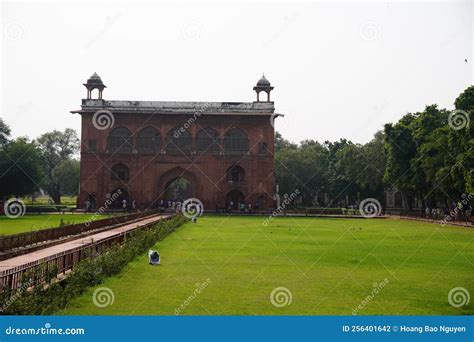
(148, 140)
(398, 199)
(236, 141)
(235, 199)
(119, 197)
(119, 140)
(261, 203)
(235, 174)
(178, 141)
(207, 141)
(120, 172)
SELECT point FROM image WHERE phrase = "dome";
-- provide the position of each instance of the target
(263, 82)
(94, 79)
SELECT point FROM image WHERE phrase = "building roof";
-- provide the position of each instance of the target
(173, 107)
(95, 76)
(263, 82)
(94, 80)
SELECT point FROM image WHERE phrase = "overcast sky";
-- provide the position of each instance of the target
(339, 69)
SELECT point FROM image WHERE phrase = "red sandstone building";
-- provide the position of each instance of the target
(148, 151)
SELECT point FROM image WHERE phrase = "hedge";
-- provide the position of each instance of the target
(47, 208)
(45, 300)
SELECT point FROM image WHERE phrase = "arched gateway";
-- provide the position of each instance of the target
(160, 150)
(177, 183)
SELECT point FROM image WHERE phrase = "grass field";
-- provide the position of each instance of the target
(32, 222)
(43, 200)
(330, 266)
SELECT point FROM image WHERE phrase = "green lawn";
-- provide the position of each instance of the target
(330, 266)
(43, 200)
(32, 222)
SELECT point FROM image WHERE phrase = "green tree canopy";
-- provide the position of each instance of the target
(56, 147)
(20, 168)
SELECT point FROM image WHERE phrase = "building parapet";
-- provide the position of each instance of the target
(174, 107)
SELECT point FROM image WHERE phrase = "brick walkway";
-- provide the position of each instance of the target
(50, 251)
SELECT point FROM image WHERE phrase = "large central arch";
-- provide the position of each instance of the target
(173, 174)
(178, 189)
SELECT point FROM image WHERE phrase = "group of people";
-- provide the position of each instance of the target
(456, 211)
(127, 206)
(240, 207)
(435, 212)
(170, 204)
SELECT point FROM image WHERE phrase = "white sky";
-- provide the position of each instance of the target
(339, 69)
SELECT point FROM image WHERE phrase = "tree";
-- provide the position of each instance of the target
(20, 168)
(401, 150)
(4, 132)
(465, 100)
(429, 156)
(461, 143)
(67, 174)
(345, 165)
(56, 147)
(371, 180)
(301, 167)
(281, 143)
(433, 156)
(424, 155)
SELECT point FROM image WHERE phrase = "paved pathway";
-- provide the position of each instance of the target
(49, 251)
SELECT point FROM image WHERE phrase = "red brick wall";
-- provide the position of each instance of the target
(149, 173)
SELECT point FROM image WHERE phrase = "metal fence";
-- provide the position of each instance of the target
(10, 242)
(63, 261)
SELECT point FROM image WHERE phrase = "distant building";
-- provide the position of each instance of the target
(396, 201)
(153, 151)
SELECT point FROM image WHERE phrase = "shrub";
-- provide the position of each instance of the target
(45, 208)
